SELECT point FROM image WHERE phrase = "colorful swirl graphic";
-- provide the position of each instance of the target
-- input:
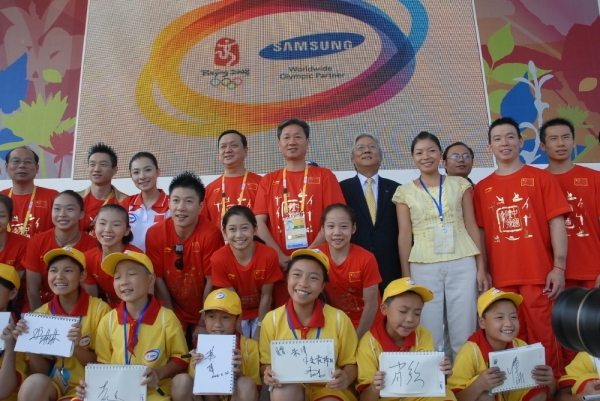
(381, 81)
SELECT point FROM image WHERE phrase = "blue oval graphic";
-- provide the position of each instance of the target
(309, 46)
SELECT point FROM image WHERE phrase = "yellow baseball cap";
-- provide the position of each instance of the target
(224, 300)
(315, 253)
(492, 295)
(8, 273)
(67, 251)
(110, 262)
(404, 284)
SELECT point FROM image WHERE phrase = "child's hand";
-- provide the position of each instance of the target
(339, 382)
(446, 366)
(491, 378)
(196, 357)
(8, 337)
(20, 328)
(543, 376)
(75, 333)
(80, 390)
(269, 378)
(236, 361)
(151, 379)
(591, 387)
(379, 380)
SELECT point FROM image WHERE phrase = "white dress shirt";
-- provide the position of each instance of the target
(374, 185)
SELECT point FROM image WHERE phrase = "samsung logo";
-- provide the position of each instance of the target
(309, 46)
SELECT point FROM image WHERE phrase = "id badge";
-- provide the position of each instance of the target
(59, 379)
(443, 239)
(296, 236)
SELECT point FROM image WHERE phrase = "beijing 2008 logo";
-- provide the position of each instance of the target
(378, 83)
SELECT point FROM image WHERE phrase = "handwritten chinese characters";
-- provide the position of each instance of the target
(303, 361)
(412, 373)
(214, 374)
(517, 363)
(47, 335)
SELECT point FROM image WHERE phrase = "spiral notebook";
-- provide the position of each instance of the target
(47, 335)
(303, 361)
(4, 319)
(214, 374)
(517, 363)
(412, 374)
(115, 382)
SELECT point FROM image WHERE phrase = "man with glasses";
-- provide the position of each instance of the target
(458, 160)
(180, 249)
(371, 198)
(32, 204)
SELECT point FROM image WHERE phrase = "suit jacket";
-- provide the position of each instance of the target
(380, 238)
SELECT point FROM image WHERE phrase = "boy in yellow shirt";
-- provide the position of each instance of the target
(222, 315)
(580, 380)
(400, 331)
(55, 378)
(152, 335)
(472, 378)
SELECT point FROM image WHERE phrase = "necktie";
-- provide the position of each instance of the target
(371, 199)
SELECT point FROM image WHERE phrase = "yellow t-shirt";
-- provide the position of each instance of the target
(21, 369)
(160, 340)
(424, 216)
(581, 370)
(91, 310)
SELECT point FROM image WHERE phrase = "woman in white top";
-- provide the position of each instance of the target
(151, 205)
(436, 212)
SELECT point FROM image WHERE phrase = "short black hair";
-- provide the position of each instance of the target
(338, 206)
(292, 262)
(101, 147)
(63, 257)
(422, 136)
(503, 121)
(142, 155)
(553, 123)
(294, 121)
(6, 201)
(232, 131)
(187, 179)
(73, 195)
(445, 154)
(35, 155)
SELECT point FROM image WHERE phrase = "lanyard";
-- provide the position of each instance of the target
(437, 204)
(137, 329)
(53, 310)
(109, 197)
(287, 313)
(224, 197)
(26, 221)
(285, 191)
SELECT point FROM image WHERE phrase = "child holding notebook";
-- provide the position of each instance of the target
(472, 378)
(140, 331)
(306, 316)
(581, 378)
(399, 331)
(12, 364)
(55, 378)
(222, 315)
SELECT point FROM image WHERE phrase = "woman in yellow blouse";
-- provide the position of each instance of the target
(436, 212)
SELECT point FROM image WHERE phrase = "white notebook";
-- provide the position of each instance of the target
(47, 335)
(412, 374)
(115, 382)
(303, 361)
(214, 374)
(517, 363)
(4, 319)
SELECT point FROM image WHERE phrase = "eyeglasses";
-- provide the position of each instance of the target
(18, 162)
(361, 148)
(456, 156)
(179, 260)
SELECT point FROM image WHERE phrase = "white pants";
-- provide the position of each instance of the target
(454, 306)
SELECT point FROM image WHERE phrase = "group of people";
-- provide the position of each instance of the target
(438, 263)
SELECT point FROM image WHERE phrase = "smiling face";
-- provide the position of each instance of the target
(239, 232)
(22, 167)
(100, 169)
(65, 276)
(66, 212)
(427, 156)
(6, 296)
(366, 154)
(144, 174)
(305, 281)
(459, 161)
(220, 322)
(505, 143)
(111, 227)
(403, 315)
(338, 229)
(500, 322)
(132, 281)
(559, 143)
(293, 143)
(184, 205)
(231, 151)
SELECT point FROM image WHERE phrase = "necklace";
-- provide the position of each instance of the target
(69, 242)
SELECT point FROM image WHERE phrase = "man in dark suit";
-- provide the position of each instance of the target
(371, 197)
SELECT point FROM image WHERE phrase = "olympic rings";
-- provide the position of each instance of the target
(226, 83)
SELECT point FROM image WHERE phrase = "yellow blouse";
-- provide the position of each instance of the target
(424, 217)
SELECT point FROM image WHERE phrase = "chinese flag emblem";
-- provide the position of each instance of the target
(231, 276)
(314, 180)
(580, 182)
(252, 186)
(259, 274)
(527, 182)
(354, 276)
